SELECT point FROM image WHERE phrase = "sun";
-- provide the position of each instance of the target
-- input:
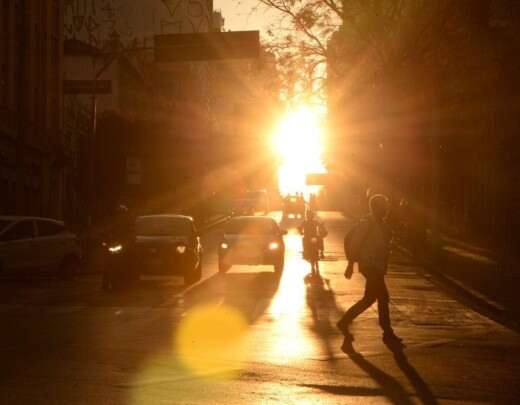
(299, 144)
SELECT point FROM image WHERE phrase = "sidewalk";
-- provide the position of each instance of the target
(475, 272)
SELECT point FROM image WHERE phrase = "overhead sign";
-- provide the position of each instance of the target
(87, 86)
(317, 179)
(207, 46)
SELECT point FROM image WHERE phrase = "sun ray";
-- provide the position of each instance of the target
(299, 144)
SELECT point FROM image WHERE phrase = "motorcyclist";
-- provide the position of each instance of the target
(323, 230)
(121, 232)
(312, 230)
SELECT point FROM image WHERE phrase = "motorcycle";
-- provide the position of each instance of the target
(117, 271)
(311, 253)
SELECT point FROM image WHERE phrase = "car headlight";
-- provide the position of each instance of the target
(181, 249)
(291, 216)
(224, 245)
(115, 248)
(274, 246)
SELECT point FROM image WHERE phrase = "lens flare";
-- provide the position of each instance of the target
(210, 340)
(299, 144)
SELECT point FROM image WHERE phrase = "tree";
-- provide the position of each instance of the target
(437, 79)
(299, 39)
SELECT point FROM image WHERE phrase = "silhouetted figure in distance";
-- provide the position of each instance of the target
(312, 230)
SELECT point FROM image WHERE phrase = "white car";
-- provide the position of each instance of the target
(37, 244)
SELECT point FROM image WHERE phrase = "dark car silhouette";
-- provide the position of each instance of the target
(251, 240)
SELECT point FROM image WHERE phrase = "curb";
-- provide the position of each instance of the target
(467, 295)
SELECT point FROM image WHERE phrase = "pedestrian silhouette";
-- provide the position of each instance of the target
(368, 244)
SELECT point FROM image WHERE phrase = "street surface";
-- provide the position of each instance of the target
(247, 337)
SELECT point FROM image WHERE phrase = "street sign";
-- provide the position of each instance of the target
(87, 86)
(317, 179)
(207, 46)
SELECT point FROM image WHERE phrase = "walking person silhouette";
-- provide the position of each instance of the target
(368, 244)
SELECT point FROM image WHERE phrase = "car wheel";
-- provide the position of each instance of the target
(69, 267)
(278, 267)
(195, 276)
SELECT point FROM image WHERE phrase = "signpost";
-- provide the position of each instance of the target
(168, 49)
(207, 46)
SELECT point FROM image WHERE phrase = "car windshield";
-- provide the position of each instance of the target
(163, 226)
(251, 226)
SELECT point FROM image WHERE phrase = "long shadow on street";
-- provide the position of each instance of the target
(321, 300)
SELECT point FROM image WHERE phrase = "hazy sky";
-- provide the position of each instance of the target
(239, 17)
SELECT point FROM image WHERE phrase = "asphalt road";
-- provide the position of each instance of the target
(247, 337)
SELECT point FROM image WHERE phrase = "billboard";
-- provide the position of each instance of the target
(207, 46)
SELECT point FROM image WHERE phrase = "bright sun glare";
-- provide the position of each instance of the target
(299, 143)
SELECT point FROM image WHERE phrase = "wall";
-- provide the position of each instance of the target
(31, 141)
(93, 21)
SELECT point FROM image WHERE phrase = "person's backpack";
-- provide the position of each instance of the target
(354, 240)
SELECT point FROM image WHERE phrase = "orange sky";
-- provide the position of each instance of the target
(239, 17)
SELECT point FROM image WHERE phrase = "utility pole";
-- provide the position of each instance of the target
(112, 56)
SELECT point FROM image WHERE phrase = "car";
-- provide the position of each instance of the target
(251, 240)
(162, 245)
(37, 245)
(293, 207)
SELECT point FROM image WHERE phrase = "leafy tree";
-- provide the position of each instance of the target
(299, 39)
(442, 74)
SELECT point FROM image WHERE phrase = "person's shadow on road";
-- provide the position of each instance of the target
(422, 389)
(392, 389)
(322, 302)
(388, 386)
(321, 297)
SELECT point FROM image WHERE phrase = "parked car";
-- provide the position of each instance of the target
(37, 245)
(162, 245)
(251, 240)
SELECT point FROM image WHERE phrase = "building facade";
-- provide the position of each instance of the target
(135, 22)
(149, 95)
(33, 152)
